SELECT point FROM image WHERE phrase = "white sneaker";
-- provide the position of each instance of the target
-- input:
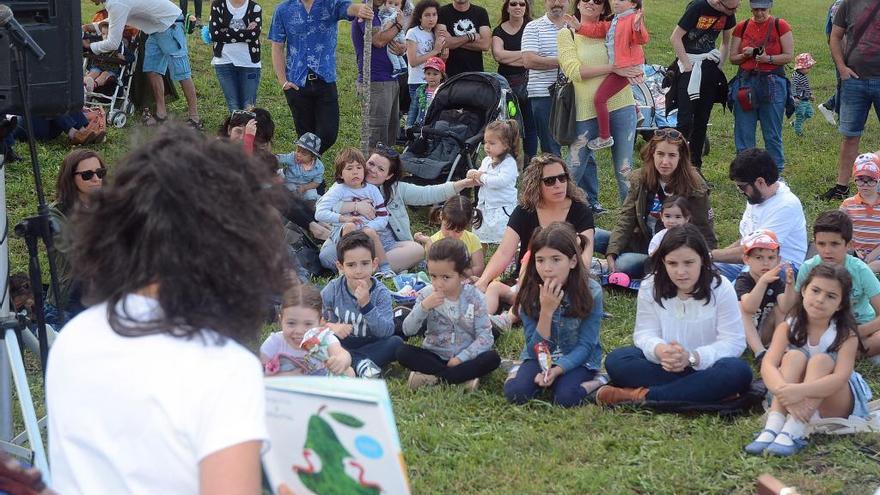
(368, 369)
(829, 114)
(599, 143)
(501, 322)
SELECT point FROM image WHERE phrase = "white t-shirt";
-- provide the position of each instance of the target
(539, 36)
(783, 214)
(237, 54)
(150, 16)
(499, 183)
(424, 41)
(138, 414)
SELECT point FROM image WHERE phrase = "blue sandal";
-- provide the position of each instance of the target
(780, 450)
(756, 447)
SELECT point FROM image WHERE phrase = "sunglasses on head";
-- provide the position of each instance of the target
(595, 2)
(388, 151)
(88, 174)
(243, 113)
(668, 133)
(553, 179)
(516, 4)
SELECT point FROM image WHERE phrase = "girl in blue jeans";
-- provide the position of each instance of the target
(560, 307)
(689, 332)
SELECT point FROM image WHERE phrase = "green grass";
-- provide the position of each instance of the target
(476, 443)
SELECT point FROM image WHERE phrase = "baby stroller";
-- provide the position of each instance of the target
(651, 101)
(447, 144)
(114, 96)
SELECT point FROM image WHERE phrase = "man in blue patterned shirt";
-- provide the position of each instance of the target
(307, 71)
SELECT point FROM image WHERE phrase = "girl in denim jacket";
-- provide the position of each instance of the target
(561, 307)
(458, 341)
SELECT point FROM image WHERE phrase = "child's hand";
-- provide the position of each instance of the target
(803, 410)
(433, 300)
(771, 276)
(547, 380)
(789, 394)
(338, 363)
(341, 330)
(551, 296)
(453, 362)
(251, 128)
(789, 274)
(421, 238)
(571, 21)
(349, 219)
(362, 293)
(637, 20)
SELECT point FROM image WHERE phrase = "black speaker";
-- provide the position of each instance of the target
(56, 82)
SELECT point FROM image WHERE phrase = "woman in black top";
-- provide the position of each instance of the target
(506, 45)
(546, 196)
(235, 30)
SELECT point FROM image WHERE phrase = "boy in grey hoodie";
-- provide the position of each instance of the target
(357, 307)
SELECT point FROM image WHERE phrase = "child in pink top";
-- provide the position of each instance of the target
(624, 36)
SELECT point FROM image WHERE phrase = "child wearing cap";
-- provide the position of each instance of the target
(864, 210)
(303, 170)
(435, 73)
(765, 292)
(802, 92)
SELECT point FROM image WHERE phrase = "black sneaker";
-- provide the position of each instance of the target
(836, 192)
(598, 209)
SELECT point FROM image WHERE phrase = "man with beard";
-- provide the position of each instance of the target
(468, 35)
(539, 56)
(770, 206)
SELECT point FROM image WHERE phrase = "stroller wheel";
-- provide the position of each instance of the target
(118, 119)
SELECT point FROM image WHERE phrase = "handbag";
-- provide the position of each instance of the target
(563, 113)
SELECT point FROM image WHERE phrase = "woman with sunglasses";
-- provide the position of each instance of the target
(585, 61)
(82, 174)
(547, 195)
(384, 170)
(666, 170)
(507, 50)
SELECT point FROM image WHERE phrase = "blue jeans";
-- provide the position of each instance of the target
(632, 264)
(628, 367)
(583, 163)
(413, 113)
(729, 270)
(856, 98)
(380, 350)
(567, 390)
(541, 114)
(239, 85)
(770, 93)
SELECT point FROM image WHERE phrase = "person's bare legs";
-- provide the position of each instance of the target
(405, 255)
(189, 92)
(158, 86)
(849, 150)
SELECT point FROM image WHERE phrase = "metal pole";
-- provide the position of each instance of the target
(5, 369)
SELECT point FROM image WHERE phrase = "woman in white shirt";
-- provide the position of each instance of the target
(689, 333)
(152, 390)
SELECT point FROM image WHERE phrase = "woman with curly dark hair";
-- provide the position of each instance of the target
(180, 256)
(82, 174)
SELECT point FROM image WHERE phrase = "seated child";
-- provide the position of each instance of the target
(101, 71)
(358, 306)
(674, 211)
(282, 353)
(458, 341)
(561, 308)
(303, 170)
(456, 216)
(809, 366)
(389, 14)
(832, 233)
(351, 186)
(864, 210)
(765, 292)
(498, 292)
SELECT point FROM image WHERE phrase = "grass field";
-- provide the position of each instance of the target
(456, 442)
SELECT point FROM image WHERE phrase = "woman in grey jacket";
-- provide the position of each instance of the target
(384, 171)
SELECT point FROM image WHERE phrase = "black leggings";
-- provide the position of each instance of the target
(425, 361)
(693, 116)
(196, 3)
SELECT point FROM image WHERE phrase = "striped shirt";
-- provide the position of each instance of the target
(801, 89)
(539, 36)
(866, 223)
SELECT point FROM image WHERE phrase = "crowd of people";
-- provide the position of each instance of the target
(700, 304)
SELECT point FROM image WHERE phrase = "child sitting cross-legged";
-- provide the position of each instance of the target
(456, 217)
(765, 292)
(832, 233)
(458, 341)
(283, 353)
(302, 168)
(357, 307)
(809, 366)
(560, 307)
(864, 210)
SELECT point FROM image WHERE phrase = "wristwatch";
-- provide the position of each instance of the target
(692, 360)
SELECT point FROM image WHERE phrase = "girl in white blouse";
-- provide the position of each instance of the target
(688, 335)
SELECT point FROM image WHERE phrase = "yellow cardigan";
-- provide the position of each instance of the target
(583, 50)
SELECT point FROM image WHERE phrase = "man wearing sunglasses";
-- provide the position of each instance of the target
(770, 206)
(701, 83)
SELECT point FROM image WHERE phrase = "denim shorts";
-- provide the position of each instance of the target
(167, 49)
(856, 98)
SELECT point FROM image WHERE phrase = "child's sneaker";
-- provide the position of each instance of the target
(599, 143)
(471, 385)
(828, 113)
(875, 359)
(368, 369)
(501, 322)
(836, 192)
(418, 380)
(385, 271)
